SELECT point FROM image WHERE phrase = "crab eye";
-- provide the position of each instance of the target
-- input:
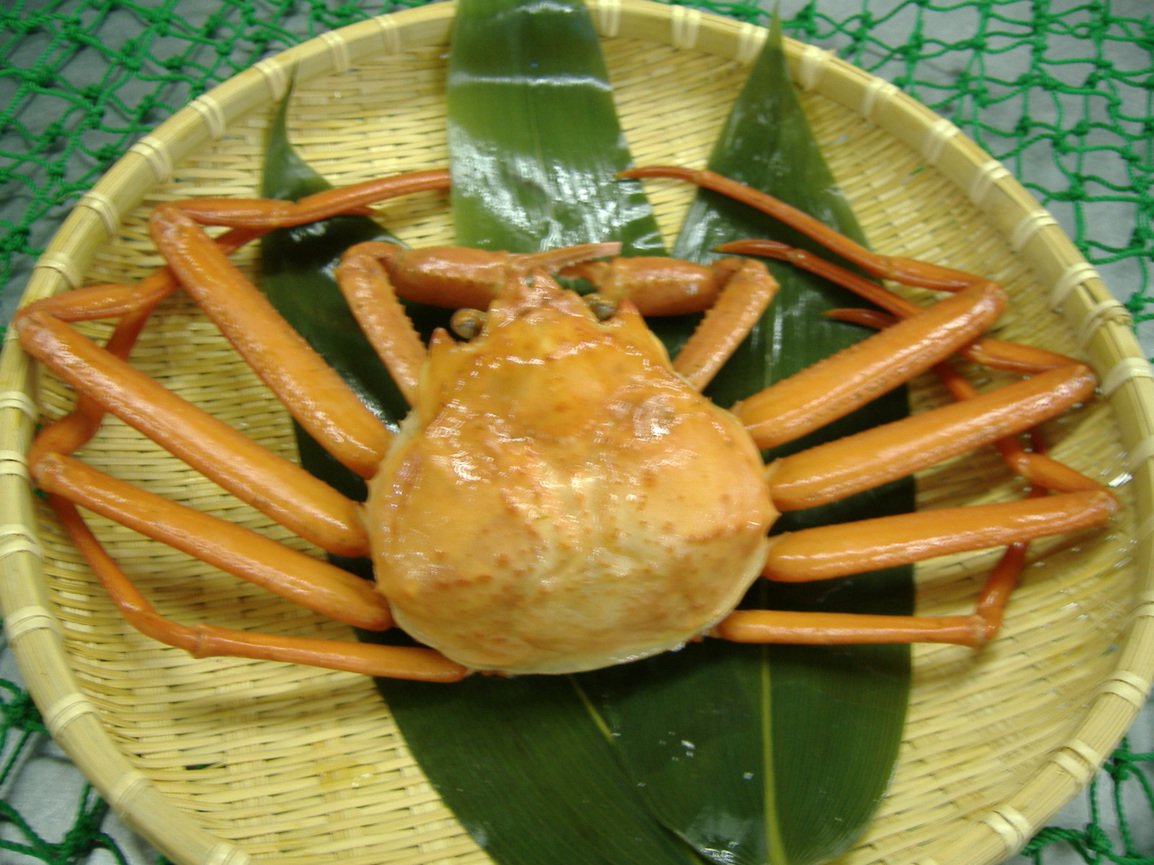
(601, 306)
(467, 323)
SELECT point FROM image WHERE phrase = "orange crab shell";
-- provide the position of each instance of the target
(543, 508)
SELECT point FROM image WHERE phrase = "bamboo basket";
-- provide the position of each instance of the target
(231, 761)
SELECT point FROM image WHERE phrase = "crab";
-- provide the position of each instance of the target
(561, 496)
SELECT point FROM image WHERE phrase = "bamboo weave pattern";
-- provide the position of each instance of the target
(1076, 128)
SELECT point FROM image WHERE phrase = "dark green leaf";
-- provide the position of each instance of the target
(529, 774)
(535, 775)
(711, 705)
(462, 733)
(297, 275)
(777, 755)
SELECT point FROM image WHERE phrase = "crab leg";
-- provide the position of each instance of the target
(267, 213)
(134, 305)
(815, 628)
(242, 552)
(365, 284)
(278, 488)
(400, 662)
(1035, 466)
(657, 285)
(75, 429)
(855, 375)
(313, 392)
(747, 291)
(834, 551)
(997, 353)
(372, 275)
(830, 629)
(826, 629)
(105, 382)
(904, 270)
(837, 469)
(282, 359)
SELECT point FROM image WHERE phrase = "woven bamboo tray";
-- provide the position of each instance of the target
(220, 760)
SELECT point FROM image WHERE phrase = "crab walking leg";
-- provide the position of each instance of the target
(242, 552)
(268, 213)
(112, 300)
(997, 353)
(830, 629)
(748, 289)
(814, 628)
(832, 471)
(398, 662)
(75, 429)
(133, 305)
(368, 659)
(1033, 465)
(365, 284)
(310, 389)
(839, 550)
(907, 271)
(226, 456)
(1003, 579)
(837, 385)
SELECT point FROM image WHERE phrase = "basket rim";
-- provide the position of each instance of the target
(35, 633)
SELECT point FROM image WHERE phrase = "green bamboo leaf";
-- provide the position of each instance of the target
(528, 774)
(582, 803)
(297, 277)
(534, 141)
(536, 776)
(781, 755)
(577, 798)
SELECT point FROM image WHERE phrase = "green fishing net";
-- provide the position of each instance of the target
(1062, 92)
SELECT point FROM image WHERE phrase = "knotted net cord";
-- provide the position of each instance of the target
(1061, 92)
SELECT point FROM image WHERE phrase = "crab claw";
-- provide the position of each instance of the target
(455, 277)
(657, 285)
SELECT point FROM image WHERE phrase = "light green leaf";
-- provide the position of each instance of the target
(534, 142)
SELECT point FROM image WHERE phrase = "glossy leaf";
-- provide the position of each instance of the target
(297, 277)
(534, 142)
(462, 733)
(531, 766)
(535, 774)
(779, 755)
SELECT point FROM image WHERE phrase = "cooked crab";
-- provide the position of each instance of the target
(561, 496)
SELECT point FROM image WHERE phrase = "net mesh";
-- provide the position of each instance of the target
(1061, 92)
